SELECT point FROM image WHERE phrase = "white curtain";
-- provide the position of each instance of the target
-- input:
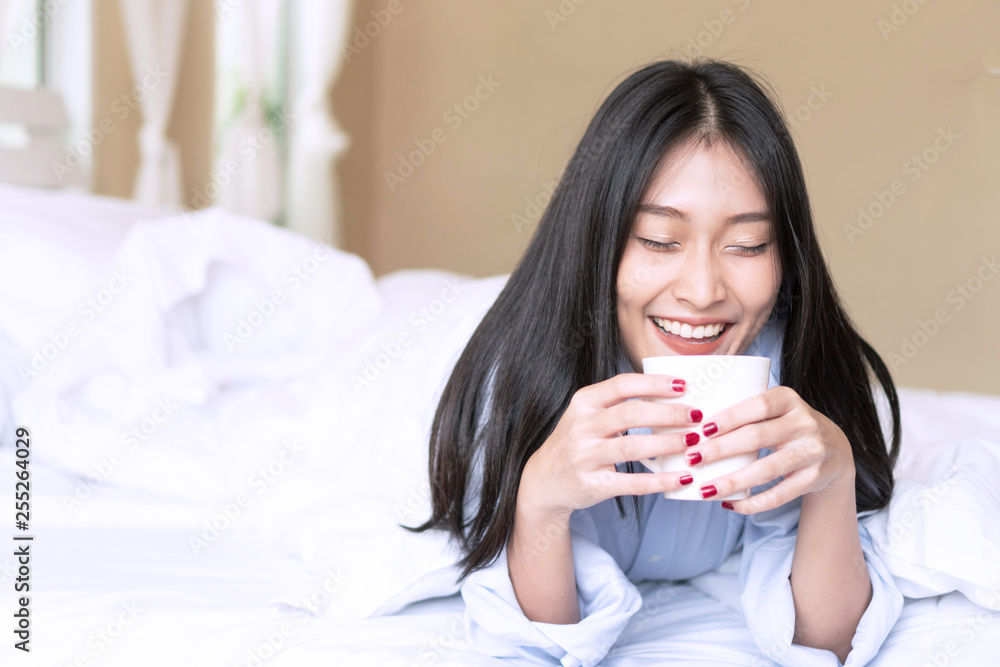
(319, 28)
(8, 15)
(255, 187)
(154, 31)
(19, 29)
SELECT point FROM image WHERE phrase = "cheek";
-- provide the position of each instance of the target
(767, 283)
(634, 278)
(757, 290)
(775, 283)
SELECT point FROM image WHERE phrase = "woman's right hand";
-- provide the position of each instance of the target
(575, 467)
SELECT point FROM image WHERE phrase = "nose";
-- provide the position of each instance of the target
(701, 282)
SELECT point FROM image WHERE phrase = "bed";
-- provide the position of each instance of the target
(228, 423)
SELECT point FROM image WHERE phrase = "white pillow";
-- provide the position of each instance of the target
(372, 477)
(940, 531)
(158, 356)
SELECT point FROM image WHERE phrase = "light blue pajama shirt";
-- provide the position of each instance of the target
(675, 540)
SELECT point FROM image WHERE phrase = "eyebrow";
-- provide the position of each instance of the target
(671, 212)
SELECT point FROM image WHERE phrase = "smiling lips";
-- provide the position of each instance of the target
(685, 338)
(685, 330)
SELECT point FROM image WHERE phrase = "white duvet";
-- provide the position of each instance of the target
(242, 391)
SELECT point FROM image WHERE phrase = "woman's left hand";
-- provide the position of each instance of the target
(809, 450)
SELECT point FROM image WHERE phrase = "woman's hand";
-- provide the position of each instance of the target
(829, 577)
(808, 449)
(575, 467)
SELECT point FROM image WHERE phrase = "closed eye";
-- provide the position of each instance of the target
(752, 250)
(655, 245)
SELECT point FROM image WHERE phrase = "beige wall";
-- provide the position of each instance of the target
(116, 158)
(889, 96)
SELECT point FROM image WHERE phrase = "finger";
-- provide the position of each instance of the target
(780, 494)
(744, 440)
(773, 403)
(641, 484)
(638, 447)
(759, 473)
(630, 385)
(636, 414)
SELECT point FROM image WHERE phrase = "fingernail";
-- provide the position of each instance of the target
(695, 416)
(686, 479)
(691, 439)
(678, 385)
(708, 491)
(693, 458)
(726, 505)
(710, 428)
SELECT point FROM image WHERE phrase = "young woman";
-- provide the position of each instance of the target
(681, 226)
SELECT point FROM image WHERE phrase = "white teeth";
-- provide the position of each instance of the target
(687, 331)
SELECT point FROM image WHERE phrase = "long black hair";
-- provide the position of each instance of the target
(554, 327)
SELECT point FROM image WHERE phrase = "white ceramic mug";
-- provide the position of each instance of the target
(714, 382)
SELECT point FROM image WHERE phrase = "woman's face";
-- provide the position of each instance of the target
(700, 273)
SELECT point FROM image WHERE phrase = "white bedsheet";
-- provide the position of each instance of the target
(217, 480)
(130, 591)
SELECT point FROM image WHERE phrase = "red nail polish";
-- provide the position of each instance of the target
(686, 479)
(726, 505)
(695, 416)
(710, 428)
(691, 439)
(678, 385)
(693, 458)
(708, 491)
